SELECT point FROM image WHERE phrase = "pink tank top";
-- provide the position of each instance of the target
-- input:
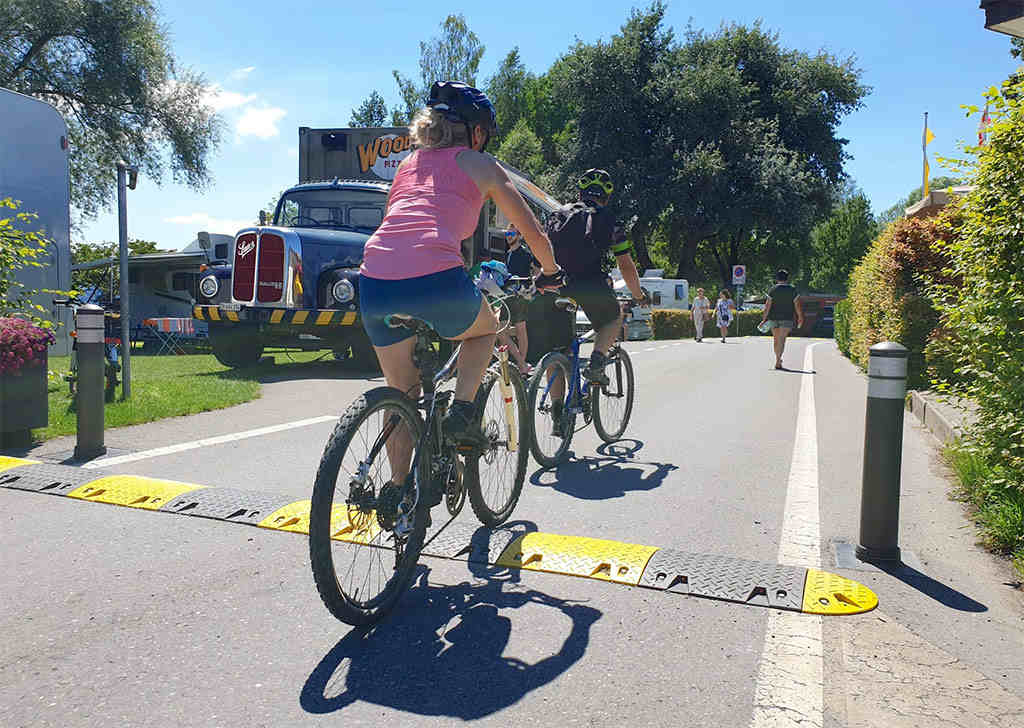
(434, 207)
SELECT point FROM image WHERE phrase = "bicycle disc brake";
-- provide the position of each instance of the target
(455, 491)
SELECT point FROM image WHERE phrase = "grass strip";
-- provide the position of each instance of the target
(165, 386)
(995, 498)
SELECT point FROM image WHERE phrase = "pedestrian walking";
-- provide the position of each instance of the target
(780, 310)
(724, 310)
(699, 310)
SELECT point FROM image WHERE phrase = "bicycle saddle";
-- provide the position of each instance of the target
(567, 304)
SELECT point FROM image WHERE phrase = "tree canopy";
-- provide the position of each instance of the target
(372, 112)
(839, 242)
(108, 68)
(454, 55)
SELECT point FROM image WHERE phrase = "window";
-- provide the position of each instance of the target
(680, 292)
(656, 298)
(365, 216)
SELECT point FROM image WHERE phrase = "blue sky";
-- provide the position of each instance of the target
(917, 57)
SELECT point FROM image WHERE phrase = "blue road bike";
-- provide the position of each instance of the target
(558, 378)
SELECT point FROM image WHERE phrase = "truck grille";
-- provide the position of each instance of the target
(270, 273)
(244, 268)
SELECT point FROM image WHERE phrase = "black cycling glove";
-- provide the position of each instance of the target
(553, 282)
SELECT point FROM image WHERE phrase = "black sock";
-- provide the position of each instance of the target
(597, 360)
(464, 408)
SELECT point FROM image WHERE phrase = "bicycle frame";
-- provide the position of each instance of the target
(578, 388)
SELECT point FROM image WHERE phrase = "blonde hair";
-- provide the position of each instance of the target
(430, 129)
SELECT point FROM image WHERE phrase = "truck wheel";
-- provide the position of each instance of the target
(235, 349)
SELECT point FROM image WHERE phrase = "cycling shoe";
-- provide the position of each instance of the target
(460, 425)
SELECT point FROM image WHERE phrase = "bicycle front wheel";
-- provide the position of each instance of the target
(496, 476)
(612, 405)
(551, 431)
(366, 526)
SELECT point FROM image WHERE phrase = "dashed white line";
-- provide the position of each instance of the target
(790, 680)
(206, 441)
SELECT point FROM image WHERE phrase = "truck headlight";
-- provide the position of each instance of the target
(343, 291)
(209, 286)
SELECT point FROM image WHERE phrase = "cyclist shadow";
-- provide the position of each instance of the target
(612, 475)
(429, 656)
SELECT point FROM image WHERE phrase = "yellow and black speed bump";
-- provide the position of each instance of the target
(44, 478)
(228, 504)
(792, 588)
(723, 577)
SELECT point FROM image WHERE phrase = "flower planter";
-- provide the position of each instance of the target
(23, 401)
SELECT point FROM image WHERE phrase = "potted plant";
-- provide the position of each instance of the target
(23, 378)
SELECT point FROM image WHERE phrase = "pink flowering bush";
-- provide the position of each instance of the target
(22, 345)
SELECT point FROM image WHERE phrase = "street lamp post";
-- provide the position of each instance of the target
(127, 176)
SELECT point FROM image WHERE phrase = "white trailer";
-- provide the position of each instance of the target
(34, 170)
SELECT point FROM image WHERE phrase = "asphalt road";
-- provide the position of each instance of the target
(113, 616)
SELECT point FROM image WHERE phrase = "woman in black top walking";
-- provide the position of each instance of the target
(781, 308)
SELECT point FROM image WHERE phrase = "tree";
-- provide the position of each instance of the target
(453, 56)
(725, 142)
(840, 242)
(108, 68)
(372, 112)
(522, 150)
(899, 209)
(507, 91)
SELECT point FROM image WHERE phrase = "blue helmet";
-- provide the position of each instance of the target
(462, 103)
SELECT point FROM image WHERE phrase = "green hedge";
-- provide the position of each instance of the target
(842, 326)
(668, 323)
(982, 325)
(890, 291)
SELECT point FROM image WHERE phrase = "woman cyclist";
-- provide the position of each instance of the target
(413, 263)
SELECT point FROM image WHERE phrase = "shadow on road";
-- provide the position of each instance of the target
(442, 652)
(928, 586)
(612, 475)
(796, 371)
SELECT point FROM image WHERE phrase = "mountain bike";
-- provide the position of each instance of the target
(609, 407)
(385, 466)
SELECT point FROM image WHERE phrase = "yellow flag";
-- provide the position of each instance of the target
(928, 136)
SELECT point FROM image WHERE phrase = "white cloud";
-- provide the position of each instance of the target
(203, 221)
(219, 99)
(260, 123)
(240, 73)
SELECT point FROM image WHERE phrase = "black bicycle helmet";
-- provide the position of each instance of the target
(462, 103)
(596, 183)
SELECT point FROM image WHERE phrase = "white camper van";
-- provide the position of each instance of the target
(664, 292)
(34, 170)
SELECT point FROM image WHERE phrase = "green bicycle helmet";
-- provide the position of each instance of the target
(596, 183)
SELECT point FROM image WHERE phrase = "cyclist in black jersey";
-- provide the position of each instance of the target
(590, 230)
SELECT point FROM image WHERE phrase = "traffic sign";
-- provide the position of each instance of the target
(739, 275)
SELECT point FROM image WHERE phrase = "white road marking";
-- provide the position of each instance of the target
(194, 444)
(790, 679)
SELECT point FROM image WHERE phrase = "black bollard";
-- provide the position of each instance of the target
(883, 454)
(89, 393)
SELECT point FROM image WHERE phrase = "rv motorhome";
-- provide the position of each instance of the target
(34, 171)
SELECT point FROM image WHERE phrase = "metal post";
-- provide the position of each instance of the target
(883, 453)
(89, 393)
(122, 235)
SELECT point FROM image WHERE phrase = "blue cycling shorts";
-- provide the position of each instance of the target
(449, 301)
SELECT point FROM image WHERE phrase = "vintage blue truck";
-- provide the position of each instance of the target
(293, 279)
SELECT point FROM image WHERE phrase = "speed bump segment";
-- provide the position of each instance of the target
(347, 523)
(826, 593)
(7, 463)
(132, 491)
(593, 558)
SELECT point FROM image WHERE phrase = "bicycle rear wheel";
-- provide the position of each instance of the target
(363, 554)
(547, 443)
(612, 405)
(496, 476)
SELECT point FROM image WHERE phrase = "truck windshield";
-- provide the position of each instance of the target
(332, 208)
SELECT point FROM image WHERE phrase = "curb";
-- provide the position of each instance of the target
(943, 420)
